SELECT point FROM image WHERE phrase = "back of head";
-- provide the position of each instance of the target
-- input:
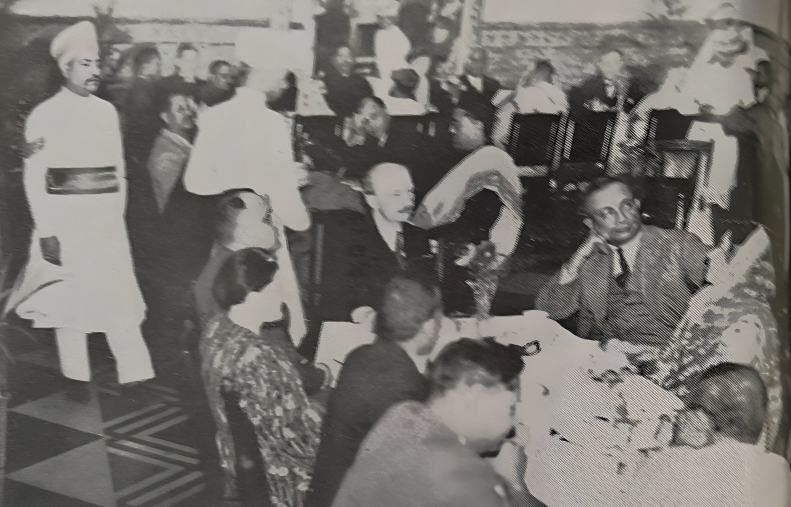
(144, 55)
(472, 362)
(230, 205)
(408, 303)
(245, 271)
(479, 110)
(735, 398)
(216, 65)
(543, 71)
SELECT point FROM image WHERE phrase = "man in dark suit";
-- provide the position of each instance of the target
(383, 138)
(374, 378)
(381, 244)
(612, 88)
(429, 453)
(345, 88)
(475, 84)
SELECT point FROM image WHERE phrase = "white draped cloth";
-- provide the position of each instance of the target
(95, 288)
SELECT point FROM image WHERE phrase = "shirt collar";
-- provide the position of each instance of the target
(387, 230)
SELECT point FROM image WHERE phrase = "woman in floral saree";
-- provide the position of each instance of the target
(731, 321)
(237, 359)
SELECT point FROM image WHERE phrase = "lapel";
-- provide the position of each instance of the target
(596, 282)
(379, 247)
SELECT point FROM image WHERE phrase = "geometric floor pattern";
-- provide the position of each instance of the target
(111, 451)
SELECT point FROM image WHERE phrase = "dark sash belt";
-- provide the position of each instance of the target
(82, 180)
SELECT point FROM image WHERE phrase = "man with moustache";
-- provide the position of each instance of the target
(79, 278)
(629, 284)
(383, 243)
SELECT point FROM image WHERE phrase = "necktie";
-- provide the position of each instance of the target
(399, 250)
(622, 278)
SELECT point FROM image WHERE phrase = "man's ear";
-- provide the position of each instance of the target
(372, 201)
(637, 203)
(164, 118)
(589, 223)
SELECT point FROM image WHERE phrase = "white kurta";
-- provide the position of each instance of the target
(243, 144)
(95, 288)
(391, 47)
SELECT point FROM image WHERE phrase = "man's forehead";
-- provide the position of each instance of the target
(615, 193)
(391, 178)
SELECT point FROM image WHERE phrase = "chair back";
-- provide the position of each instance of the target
(668, 124)
(251, 480)
(536, 139)
(589, 137)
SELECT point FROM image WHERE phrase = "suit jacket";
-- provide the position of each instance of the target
(670, 266)
(490, 87)
(374, 378)
(344, 93)
(404, 145)
(594, 87)
(373, 264)
(411, 458)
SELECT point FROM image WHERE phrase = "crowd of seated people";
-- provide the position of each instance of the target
(218, 206)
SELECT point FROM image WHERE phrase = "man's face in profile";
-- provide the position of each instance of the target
(222, 77)
(343, 61)
(476, 63)
(373, 119)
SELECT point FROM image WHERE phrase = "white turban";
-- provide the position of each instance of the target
(68, 43)
(265, 49)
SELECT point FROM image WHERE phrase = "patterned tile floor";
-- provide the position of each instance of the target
(113, 451)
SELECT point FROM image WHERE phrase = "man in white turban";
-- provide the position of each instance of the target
(242, 144)
(80, 277)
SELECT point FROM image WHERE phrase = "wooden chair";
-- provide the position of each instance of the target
(586, 146)
(671, 197)
(537, 140)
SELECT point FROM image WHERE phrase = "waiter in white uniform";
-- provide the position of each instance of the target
(80, 277)
(242, 144)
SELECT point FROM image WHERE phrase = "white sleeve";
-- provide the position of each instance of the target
(45, 215)
(200, 175)
(120, 161)
(283, 187)
(506, 231)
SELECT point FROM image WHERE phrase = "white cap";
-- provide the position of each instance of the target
(723, 12)
(264, 48)
(67, 43)
(387, 8)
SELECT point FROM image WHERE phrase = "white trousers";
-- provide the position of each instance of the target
(128, 347)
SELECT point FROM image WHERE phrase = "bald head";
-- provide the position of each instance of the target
(735, 397)
(389, 190)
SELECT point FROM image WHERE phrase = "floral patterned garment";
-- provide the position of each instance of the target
(286, 421)
(715, 314)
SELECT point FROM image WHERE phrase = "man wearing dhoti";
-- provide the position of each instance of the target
(80, 277)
